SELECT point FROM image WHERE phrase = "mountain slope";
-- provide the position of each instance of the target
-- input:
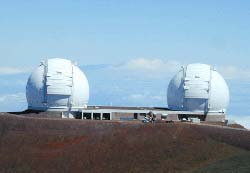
(56, 145)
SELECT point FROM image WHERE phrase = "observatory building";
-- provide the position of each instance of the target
(59, 89)
(198, 88)
(57, 85)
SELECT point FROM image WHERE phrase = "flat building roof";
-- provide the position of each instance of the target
(130, 109)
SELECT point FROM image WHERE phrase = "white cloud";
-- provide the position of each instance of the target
(17, 97)
(243, 120)
(12, 70)
(147, 97)
(153, 68)
(13, 82)
(161, 97)
(157, 68)
(234, 72)
(136, 96)
(13, 102)
(151, 65)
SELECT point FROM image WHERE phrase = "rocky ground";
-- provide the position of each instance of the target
(54, 145)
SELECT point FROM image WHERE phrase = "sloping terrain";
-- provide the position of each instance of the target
(56, 145)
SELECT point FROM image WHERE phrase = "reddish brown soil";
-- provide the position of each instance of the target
(50, 145)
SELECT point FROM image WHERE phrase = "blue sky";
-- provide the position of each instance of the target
(116, 42)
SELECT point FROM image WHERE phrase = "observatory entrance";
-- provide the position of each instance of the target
(96, 116)
(135, 116)
(106, 116)
(59, 83)
(197, 88)
(78, 115)
(86, 116)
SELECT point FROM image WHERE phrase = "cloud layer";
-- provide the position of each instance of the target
(234, 72)
(149, 68)
(151, 65)
(13, 102)
(12, 70)
(161, 68)
(157, 68)
(243, 120)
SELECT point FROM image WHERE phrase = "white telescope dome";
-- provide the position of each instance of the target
(198, 87)
(57, 84)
